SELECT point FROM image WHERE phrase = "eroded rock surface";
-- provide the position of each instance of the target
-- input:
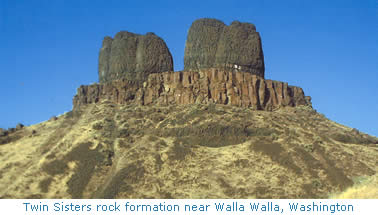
(212, 44)
(132, 57)
(203, 86)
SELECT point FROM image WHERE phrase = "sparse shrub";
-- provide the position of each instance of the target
(139, 131)
(359, 179)
(194, 112)
(126, 142)
(109, 129)
(316, 183)
(123, 133)
(355, 131)
(69, 114)
(157, 118)
(241, 163)
(342, 138)
(53, 118)
(137, 109)
(152, 138)
(118, 117)
(3, 132)
(139, 115)
(212, 108)
(317, 139)
(97, 126)
(234, 109)
(19, 126)
(108, 154)
(325, 138)
(44, 184)
(274, 136)
(161, 143)
(309, 147)
(158, 161)
(73, 114)
(179, 151)
(261, 132)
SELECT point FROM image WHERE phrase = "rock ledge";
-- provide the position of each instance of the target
(189, 87)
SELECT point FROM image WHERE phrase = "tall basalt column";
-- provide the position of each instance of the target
(103, 61)
(212, 44)
(202, 43)
(240, 48)
(133, 57)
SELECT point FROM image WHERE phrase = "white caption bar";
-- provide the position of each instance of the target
(187, 207)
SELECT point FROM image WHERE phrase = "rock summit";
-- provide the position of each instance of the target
(212, 44)
(222, 65)
(133, 57)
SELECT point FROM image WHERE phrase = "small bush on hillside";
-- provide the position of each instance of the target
(180, 151)
(97, 126)
(123, 133)
(342, 138)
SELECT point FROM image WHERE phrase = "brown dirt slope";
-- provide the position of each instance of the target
(185, 151)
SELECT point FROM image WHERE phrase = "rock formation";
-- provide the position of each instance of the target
(203, 86)
(212, 44)
(223, 65)
(133, 57)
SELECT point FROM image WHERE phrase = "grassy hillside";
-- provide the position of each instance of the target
(193, 151)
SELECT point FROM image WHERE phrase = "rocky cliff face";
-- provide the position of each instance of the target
(132, 56)
(223, 65)
(203, 86)
(212, 44)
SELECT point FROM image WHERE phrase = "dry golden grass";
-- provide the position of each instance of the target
(366, 189)
(190, 151)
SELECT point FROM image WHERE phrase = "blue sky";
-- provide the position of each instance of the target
(329, 48)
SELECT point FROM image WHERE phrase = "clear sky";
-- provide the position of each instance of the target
(329, 48)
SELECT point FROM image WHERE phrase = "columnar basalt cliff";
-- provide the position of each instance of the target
(212, 44)
(189, 87)
(223, 65)
(133, 57)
